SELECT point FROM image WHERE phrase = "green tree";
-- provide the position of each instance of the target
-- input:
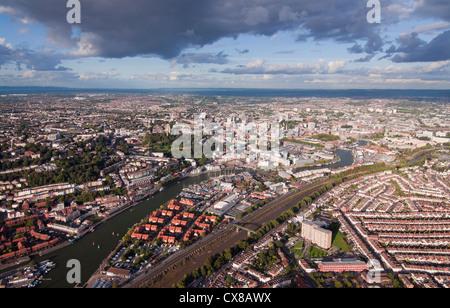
(228, 255)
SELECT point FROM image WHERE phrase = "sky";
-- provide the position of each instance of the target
(294, 44)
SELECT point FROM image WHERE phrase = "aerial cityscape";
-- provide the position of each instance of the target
(207, 157)
(344, 192)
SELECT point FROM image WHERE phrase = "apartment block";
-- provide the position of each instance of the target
(317, 235)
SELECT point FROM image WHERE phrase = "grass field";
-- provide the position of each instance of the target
(315, 252)
(297, 249)
(341, 243)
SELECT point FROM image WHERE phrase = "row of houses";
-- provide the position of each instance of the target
(27, 250)
(405, 231)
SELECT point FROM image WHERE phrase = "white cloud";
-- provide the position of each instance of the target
(297, 68)
(86, 46)
(435, 66)
(6, 10)
(258, 63)
(172, 76)
(320, 65)
(179, 75)
(95, 76)
(4, 43)
(29, 74)
(434, 28)
(407, 70)
(44, 78)
(336, 66)
(414, 80)
(257, 67)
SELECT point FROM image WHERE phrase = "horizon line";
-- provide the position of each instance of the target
(224, 88)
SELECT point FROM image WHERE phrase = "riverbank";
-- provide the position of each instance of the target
(108, 234)
(99, 273)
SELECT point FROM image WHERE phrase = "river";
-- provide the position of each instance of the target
(345, 159)
(94, 247)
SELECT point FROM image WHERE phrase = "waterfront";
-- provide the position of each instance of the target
(346, 158)
(94, 247)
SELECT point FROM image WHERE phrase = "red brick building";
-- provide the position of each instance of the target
(342, 265)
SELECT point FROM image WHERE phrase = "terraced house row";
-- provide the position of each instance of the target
(401, 219)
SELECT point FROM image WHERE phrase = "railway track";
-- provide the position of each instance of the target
(184, 255)
(280, 205)
(216, 239)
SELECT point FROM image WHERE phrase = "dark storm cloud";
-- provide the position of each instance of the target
(439, 9)
(119, 29)
(411, 48)
(415, 50)
(408, 42)
(356, 48)
(346, 23)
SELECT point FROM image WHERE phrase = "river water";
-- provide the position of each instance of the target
(346, 158)
(94, 247)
